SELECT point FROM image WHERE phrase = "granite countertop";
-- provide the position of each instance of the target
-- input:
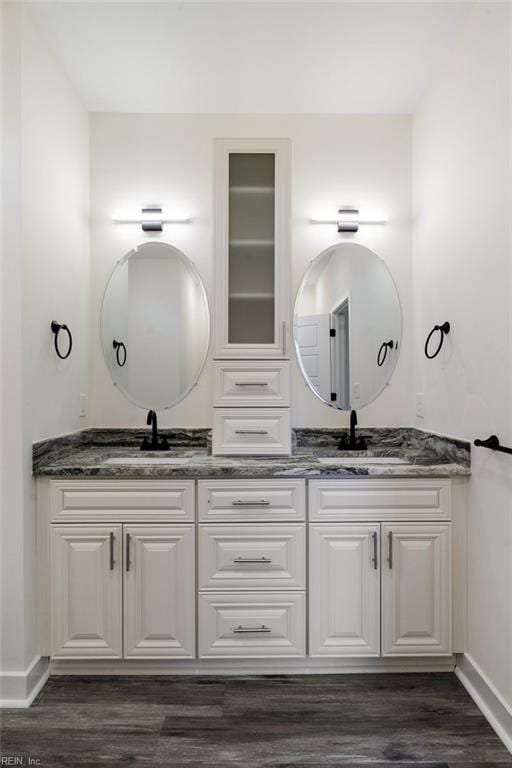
(83, 454)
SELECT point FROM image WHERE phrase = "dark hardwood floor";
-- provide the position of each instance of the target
(277, 722)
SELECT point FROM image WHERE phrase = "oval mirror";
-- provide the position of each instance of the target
(347, 326)
(155, 325)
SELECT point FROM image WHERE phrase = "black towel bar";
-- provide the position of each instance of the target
(493, 443)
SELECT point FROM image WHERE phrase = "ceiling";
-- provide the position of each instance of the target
(250, 56)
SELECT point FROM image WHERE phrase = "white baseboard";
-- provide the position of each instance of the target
(487, 698)
(19, 689)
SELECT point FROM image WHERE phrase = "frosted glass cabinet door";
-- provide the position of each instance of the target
(416, 589)
(86, 605)
(252, 244)
(159, 592)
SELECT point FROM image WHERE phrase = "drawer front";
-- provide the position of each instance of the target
(252, 431)
(251, 625)
(257, 557)
(251, 500)
(379, 499)
(122, 500)
(253, 384)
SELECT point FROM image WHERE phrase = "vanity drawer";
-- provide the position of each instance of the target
(256, 557)
(379, 499)
(251, 625)
(251, 500)
(260, 383)
(122, 500)
(256, 431)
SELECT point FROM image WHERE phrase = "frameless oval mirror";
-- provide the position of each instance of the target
(347, 326)
(155, 325)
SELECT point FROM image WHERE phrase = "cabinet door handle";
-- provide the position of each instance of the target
(128, 563)
(251, 383)
(390, 549)
(258, 630)
(254, 503)
(251, 432)
(375, 558)
(112, 561)
(263, 560)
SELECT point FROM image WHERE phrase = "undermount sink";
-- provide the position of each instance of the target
(146, 460)
(356, 460)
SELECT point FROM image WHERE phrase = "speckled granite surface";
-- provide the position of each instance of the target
(85, 453)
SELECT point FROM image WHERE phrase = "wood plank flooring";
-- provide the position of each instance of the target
(340, 721)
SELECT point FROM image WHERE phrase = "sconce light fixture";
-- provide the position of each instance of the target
(349, 220)
(151, 219)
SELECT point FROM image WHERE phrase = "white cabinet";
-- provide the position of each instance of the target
(86, 589)
(416, 589)
(252, 262)
(344, 590)
(115, 600)
(159, 592)
(348, 569)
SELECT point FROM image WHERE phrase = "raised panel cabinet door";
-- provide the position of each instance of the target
(344, 590)
(86, 591)
(416, 589)
(159, 592)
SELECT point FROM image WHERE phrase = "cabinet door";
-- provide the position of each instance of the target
(344, 597)
(416, 589)
(86, 604)
(159, 592)
(252, 247)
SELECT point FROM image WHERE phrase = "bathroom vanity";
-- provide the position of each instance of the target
(193, 562)
(256, 547)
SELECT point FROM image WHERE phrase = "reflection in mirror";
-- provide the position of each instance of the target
(347, 326)
(155, 325)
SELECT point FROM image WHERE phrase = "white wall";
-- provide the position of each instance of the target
(463, 273)
(45, 277)
(136, 159)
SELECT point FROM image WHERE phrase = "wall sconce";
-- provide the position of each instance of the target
(151, 219)
(349, 220)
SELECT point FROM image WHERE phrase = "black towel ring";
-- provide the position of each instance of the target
(56, 328)
(384, 348)
(443, 329)
(118, 345)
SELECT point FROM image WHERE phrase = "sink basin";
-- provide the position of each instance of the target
(348, 461)
(146, 460)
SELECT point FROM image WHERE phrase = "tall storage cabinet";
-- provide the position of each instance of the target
(252, 301)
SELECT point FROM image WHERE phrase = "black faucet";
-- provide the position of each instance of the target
(154, 444)
(353, 443)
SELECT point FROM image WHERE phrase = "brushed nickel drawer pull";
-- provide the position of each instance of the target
(374, 558)
(390, 549)
(112, 561)
(264, 560)
(251, 384)
(254, 503)
(251, 432)
(259, 630)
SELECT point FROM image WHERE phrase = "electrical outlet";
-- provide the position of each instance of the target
(356, 391)
(83, 405)
(420, 405)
